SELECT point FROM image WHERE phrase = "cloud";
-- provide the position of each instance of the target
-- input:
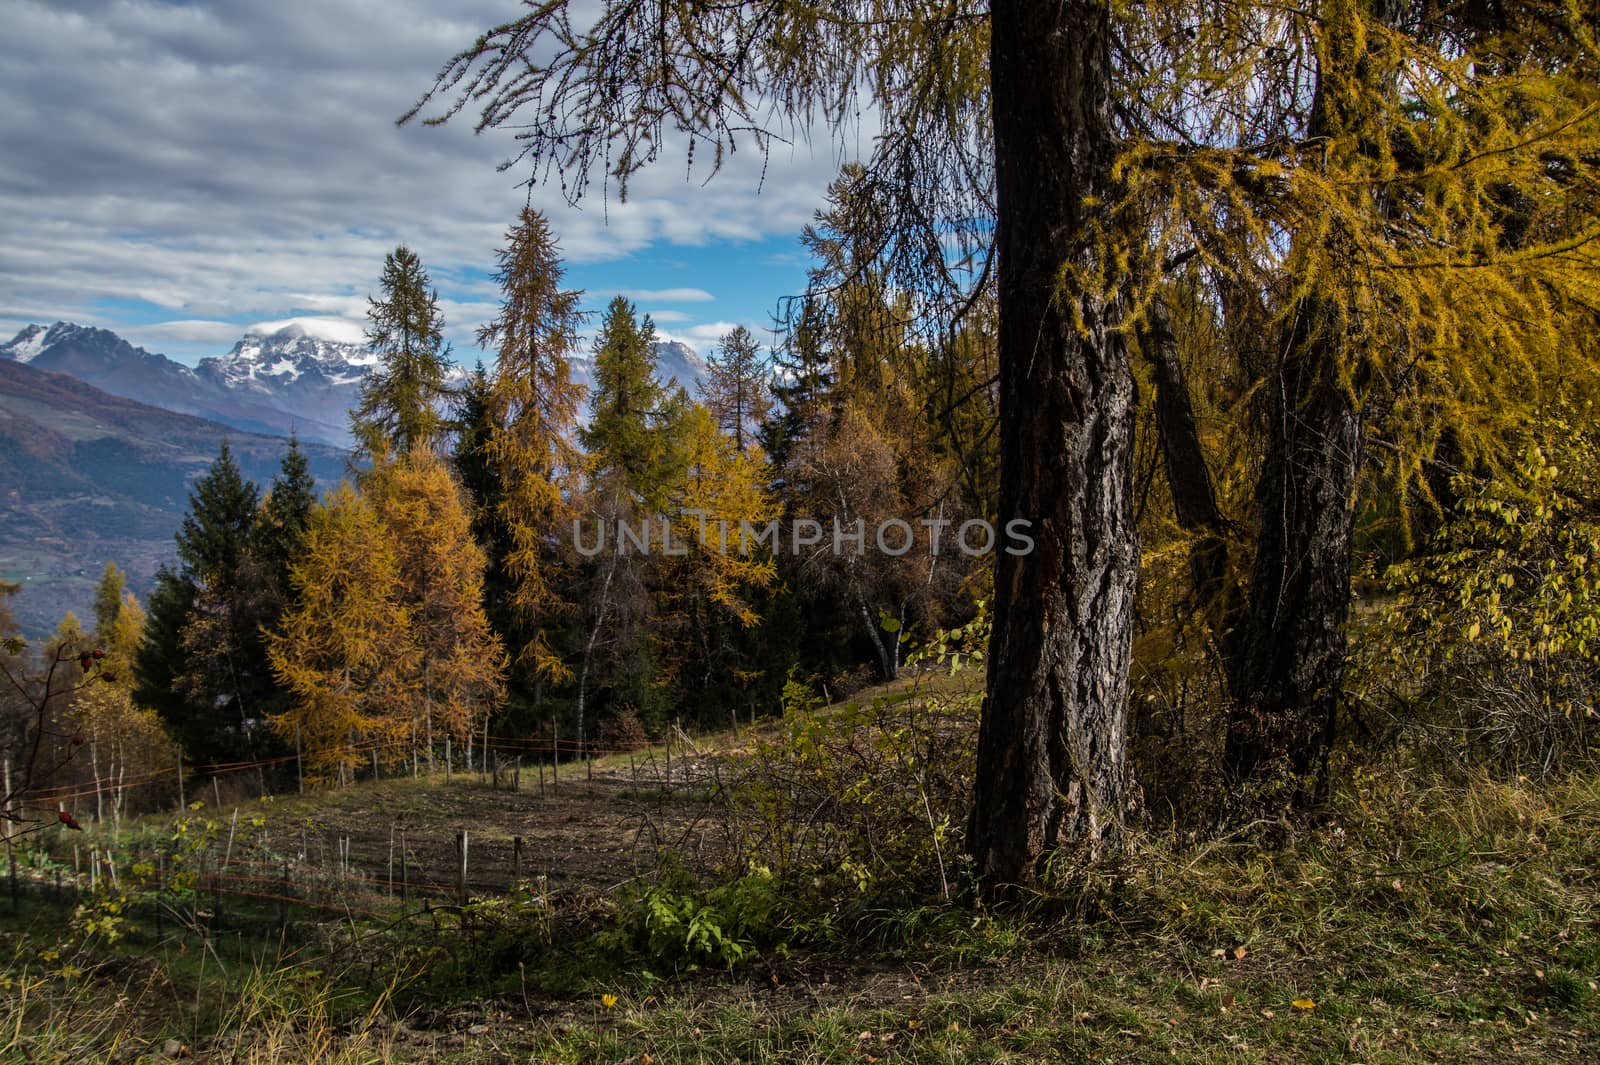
(668, 295)
(336, 329)
(238, 161)
(664, 317)
(708, 335)
(190, 331)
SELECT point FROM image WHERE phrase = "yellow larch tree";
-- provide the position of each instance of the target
(458, 674)
(709, 569)
(124, 740)
(346, 650)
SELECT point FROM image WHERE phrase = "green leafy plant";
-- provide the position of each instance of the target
(1489, 641)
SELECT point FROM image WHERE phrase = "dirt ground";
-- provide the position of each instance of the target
(594, 829)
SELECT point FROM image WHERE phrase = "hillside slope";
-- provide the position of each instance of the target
(87, 477)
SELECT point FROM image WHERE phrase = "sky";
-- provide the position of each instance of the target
(180, 172)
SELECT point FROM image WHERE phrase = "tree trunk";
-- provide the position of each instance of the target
(1194, 497)
(1052, 759)
(1288, 668)
(1289, 660)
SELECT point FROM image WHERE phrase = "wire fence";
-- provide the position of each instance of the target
(215, 872)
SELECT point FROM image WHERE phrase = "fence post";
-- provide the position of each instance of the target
(181, 804)
(461, 876)
(516, 859)
(555, 756)
(11, 862)
(283, 898)
(405, 879)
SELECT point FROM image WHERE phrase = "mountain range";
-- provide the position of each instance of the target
(100, 442)
(288, 380)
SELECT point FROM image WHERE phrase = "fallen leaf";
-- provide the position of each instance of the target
(1303, 1004)
(1239, 953)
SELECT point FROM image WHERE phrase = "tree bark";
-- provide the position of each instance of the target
(1052, 762)
(1289, 661)
(1288, 668)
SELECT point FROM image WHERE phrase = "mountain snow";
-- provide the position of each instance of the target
(266, 362)
(301, 375)
(26, 345)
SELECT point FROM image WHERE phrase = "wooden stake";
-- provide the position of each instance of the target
(461, 876)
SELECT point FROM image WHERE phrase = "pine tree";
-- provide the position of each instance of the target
(475, 426)
(160, 660)
(526, 438)
(801, 383)
(400, 401)
(215, 534)
(280, 531)
(633, 458)
(736, 387)
(628, 406)
(202, 665)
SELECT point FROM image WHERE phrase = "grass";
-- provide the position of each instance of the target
(1420, 921)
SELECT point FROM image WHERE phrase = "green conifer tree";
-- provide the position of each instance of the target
(280, 531)
(400, 401)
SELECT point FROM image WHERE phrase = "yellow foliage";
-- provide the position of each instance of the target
(345, 649)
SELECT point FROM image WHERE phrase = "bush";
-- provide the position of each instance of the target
(1486, 651)
(868, 797)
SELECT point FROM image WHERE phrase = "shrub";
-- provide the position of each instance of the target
(1487, 649)
(870, 797)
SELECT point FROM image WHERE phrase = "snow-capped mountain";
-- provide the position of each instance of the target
(231, 389)
(295, 378)
(32, 340)
(311, 380)
(268, 362)
(675, 361)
